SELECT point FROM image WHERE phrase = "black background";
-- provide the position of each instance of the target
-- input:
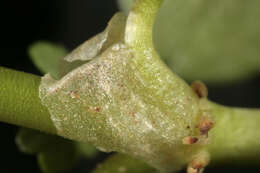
(71, 22)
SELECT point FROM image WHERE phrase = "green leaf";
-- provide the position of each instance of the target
(86, 150)
(32, 141)
(54, 153)
(61, 158)
(125, 5)
(212, 41)
(47, 57)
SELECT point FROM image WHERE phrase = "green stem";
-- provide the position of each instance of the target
(140, 23)
(20, 103)
(236, 136)
(236, 133)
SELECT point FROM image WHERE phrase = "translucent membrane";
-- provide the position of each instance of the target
(114, 104)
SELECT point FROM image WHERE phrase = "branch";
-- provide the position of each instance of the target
(127, 100)
(20, 103)
(140, 23)
(236, 136)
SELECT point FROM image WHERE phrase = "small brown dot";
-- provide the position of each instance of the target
(200, 89)
(189, 140)
(197, 167)
(205, 126)
(98, 109)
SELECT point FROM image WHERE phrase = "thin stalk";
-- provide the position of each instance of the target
(236, 136)
(20, 103)
(140, 23)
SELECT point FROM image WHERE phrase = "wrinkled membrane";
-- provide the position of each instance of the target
(106, 102)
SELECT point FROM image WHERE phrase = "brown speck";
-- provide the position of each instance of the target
(205, 126)
(200, 89)
(189, 140)
(197, 168)
(98, 109)
(188, 127)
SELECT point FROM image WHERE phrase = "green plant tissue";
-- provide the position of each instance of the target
(119, 102)
(47, 57)
(213, 41)
(54, 154)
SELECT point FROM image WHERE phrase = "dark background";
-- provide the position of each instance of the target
(71, 22)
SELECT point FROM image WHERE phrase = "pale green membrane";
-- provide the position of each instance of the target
(120, 101)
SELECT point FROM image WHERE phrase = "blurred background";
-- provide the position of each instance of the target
(70, 22)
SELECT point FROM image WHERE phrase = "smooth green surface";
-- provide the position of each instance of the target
(86, 150)
(213, 41)
(32, 142)
(47, 57)
(236, 136)
(62, 158)
(140, 22)
(20, 103)
(54, 153)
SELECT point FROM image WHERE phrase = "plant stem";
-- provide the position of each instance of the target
(20, 103)
(236, 136)
(140, 23)
(236, 133)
